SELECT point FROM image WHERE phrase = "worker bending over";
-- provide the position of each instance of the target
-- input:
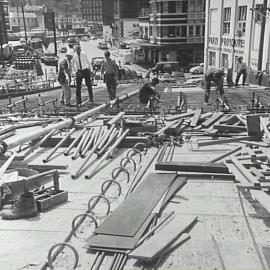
(216, 76)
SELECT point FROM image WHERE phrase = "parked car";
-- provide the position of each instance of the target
(167, 67)
(50, 59)
(103, 45)
(63, 49)
(198, 69)
(97, 62)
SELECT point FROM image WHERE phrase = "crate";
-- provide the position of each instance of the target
(52, 199)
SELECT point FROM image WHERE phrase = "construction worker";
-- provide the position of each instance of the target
(109, 69)
(214, 75)
(147, 94)
(64, 78)
(241, 68)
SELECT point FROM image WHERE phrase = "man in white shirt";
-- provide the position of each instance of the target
(82, 68)
(241, 70)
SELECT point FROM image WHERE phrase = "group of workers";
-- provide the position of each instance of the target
(78, 62)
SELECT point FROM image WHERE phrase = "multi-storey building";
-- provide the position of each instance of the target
(125, 21)
(237, 28)
(176, 31)
(92, 10)
(5, 10)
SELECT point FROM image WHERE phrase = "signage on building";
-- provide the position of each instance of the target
(227, 42)
(3, 28)
(49, 20)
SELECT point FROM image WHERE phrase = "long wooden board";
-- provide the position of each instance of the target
(127, 219)
(192, 167)
(163, 239)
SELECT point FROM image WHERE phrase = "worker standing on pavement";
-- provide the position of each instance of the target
(109, 70)
(64, 78)
(216, 76)
(82, 67)
(241, 68)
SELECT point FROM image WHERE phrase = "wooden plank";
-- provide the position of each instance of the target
(253, 126)
(163, 239)
(117, 241)
(192, 167)
(225, 141)
(195, 118)
(226, 154)
(264, 124)
(212, 120)
(229, 128)
(127, 219)
(180, 116)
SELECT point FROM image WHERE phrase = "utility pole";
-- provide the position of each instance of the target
(263, 12)
(25, 33)
(55, 43)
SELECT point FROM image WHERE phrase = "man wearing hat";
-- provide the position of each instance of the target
(216, 76)
(64, 78)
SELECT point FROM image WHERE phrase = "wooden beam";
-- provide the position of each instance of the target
(192, 167)
(229, 128)
(226, 154)
(195, 118)
(212, 120)
(225, 141)
(180, 116)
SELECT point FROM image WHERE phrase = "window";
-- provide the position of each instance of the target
(171, 31)
(181, 6)
(183, 31)
(224, 60)
(227, 21)
(242, 16)
(198, 30)
(150, 30)
(171, 7)
(191, 30)
(212, 59)
(177, 31)
(165, 7)
(214, 22)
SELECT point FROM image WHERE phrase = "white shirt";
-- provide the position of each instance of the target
(84, 61)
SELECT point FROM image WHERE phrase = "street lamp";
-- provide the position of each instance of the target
(24, 25)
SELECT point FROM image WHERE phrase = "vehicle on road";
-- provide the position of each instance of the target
(197, 69)
(167, 67)
(97, 62)
(84, 38)
(93, 37)
(103, 45)
(50, 59)
(63, 49)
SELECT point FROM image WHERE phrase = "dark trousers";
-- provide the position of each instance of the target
(240, 72)
(86, 75)
(111, 85)
(219, 84)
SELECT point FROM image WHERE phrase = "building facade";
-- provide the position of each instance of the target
(234, 28)
(92, 10)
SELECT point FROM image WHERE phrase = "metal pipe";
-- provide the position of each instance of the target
(86, 140)
(78, 149)
(105, 137)
(107, 154)
(18, 140)
(89, 144)
(62, 141)
(112, 137)
(74, 142)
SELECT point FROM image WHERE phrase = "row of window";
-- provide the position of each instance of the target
(18, 20)
(92, 12)
(241, 20)
(68, 20)
(169, 7)
(179, 31)
(93, 18)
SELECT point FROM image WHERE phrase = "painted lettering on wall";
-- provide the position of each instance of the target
(232, 42)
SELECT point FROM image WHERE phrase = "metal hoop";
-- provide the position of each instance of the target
(83, 216)
(98, 197)
(142, 146)
(120, 169)
(128, 159)
(76, 254)
(134, 152)
(108, 186)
